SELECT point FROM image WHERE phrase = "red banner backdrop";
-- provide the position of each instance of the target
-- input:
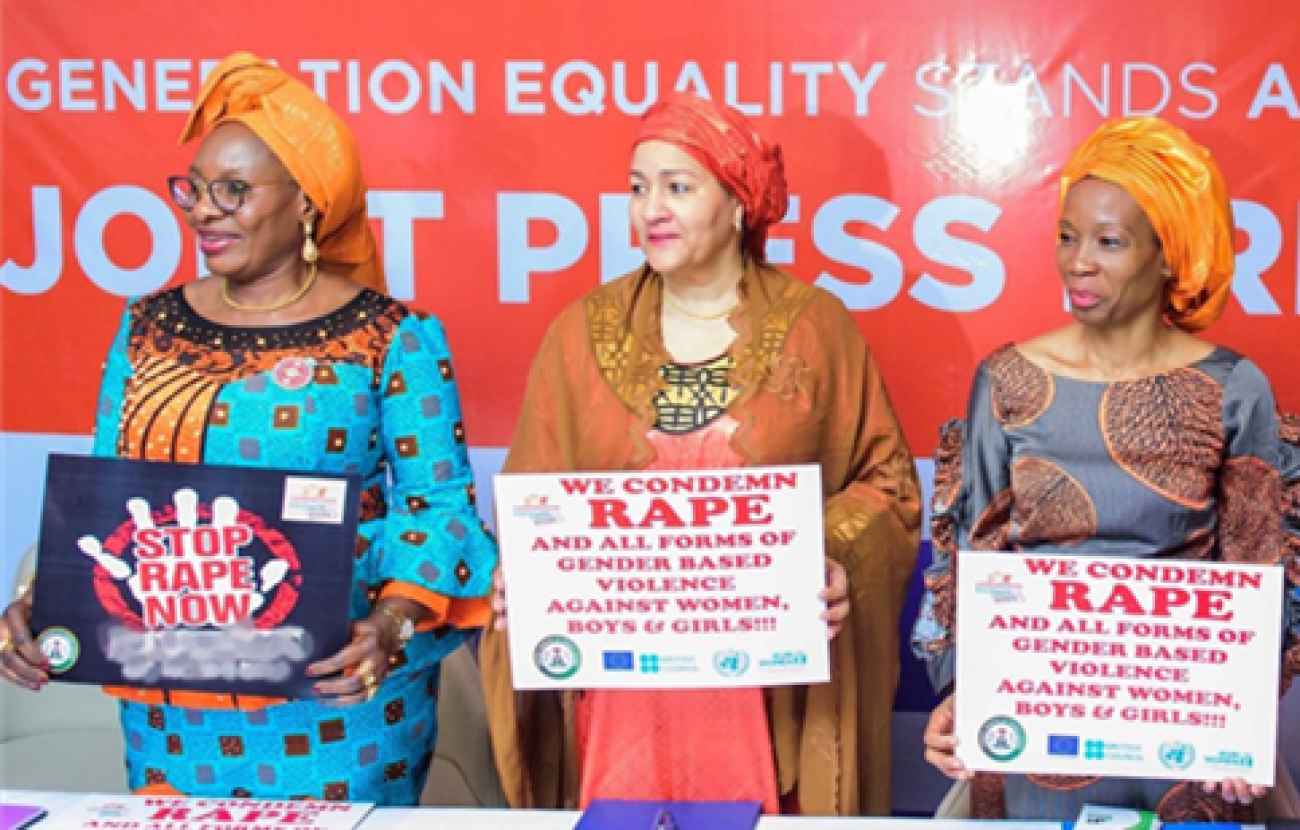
(922, 141)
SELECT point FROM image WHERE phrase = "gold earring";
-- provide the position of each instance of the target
(310, 253)
(740, 221)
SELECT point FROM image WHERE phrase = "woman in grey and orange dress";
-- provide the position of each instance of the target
(1121, 433)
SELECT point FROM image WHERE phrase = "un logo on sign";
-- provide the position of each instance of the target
(1177, 755)
(731, 662)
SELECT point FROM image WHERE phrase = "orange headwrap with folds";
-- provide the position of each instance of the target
(1180, 189)
(311, 141)
(724, 141)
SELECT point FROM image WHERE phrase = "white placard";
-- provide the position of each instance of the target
(682, 579)
(167, 813)
(1090, 665)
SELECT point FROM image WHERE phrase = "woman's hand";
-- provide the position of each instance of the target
(836, 597)
(21, 662)
(1235, 790)
(499, 600)
(941, 741)
(362, 664)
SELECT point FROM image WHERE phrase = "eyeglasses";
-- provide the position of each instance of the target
(226, 195)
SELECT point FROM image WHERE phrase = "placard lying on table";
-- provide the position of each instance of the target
(664, 579)
(192, 577)
(609, 814)
(96, 812)
(1090, 665)
(19, 816)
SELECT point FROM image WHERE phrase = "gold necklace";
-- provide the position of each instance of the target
(263, 309)
(695, 315)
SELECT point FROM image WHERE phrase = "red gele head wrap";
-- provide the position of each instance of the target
(724, 141)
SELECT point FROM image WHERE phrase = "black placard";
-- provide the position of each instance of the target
(192, 577)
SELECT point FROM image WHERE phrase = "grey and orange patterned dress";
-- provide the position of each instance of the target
(1191, 463)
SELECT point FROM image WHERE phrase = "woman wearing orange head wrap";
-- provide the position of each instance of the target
(708, 357)
(1120, 433)
(289, 357)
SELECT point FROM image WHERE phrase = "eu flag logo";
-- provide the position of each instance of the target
(1062, 745)
(618, 661)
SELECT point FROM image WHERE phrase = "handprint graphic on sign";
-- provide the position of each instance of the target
(191, 566)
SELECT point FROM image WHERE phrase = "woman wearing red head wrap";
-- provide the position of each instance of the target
(708, 357)
(1120, 433)
(289, 356)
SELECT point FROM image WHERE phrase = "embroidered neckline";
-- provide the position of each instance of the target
(170, 312)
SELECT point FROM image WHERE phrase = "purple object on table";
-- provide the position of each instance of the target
(18, 816)
(605, 814)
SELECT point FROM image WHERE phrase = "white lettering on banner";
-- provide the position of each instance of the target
(397, 212)
(1211, 100)
(391, 86)
(930, 231)
(1265, 234)
(1274, 91)
(411, 81)
(619, 252)
(649, 86)
(34, 95)
(581, 87)
(517, 260)
(517, 87)
(88, 239)
(47, 228)
(86, 85)
(691, 79)
(589, 97)
(781, 251)
(832, 239)
(1143, 89)
(861, 86)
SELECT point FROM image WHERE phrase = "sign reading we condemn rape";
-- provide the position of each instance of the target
(1090, 665)
(682, 579)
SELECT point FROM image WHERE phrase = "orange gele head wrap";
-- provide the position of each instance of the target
(311, 141)
(1180, 189)
(724, 141)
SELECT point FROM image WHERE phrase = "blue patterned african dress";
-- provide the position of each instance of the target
(366, 389)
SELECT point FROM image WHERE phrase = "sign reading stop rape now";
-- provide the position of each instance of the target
(1089, 665)
(193, 577)
(683, 579)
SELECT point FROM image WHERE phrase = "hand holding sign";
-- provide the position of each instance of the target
(836, 597)
(21, 662)
(941, 741)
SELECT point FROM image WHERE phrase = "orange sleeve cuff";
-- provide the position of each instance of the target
(159, 790)
(460, 612)
(192, 700)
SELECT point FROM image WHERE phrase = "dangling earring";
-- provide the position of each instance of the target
(740, 221)
(310, 253)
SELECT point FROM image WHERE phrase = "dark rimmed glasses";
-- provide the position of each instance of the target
(226, 195)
